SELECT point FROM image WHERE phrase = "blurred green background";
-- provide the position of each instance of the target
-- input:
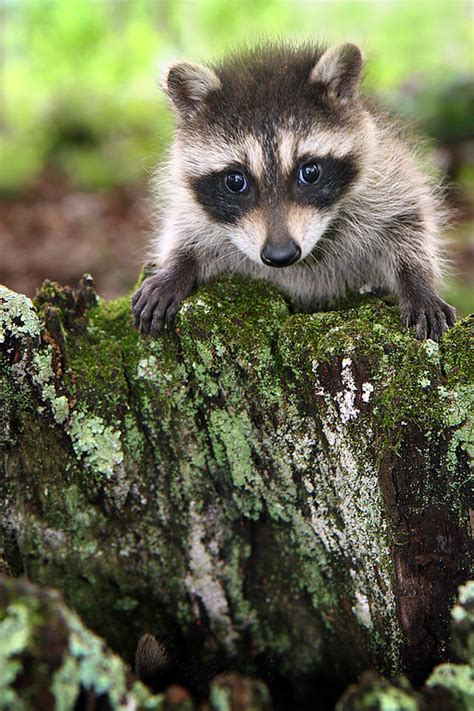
(82, 123)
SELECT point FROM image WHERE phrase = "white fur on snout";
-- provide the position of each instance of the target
(250, 234)
(306, 226)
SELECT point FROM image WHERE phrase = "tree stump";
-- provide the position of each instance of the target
(280, 493)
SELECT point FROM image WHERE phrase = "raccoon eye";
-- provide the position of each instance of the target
(309, 173)
(236, 182)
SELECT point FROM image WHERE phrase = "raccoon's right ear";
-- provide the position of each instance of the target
(187, 85)
(339, 71)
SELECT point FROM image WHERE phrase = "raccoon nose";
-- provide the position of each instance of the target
(280, 255)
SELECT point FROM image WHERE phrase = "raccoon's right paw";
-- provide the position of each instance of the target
(430, 318)
(155, 303)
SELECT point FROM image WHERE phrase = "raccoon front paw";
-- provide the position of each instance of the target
(430, 319)
(155, 303)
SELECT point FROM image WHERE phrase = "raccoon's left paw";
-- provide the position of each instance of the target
(431, 319)
(157, 301)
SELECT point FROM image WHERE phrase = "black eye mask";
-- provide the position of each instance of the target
(214, 193)
(336, 175)
(227, 195)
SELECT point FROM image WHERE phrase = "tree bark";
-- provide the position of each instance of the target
(280, 493)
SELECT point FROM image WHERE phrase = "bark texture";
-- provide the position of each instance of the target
(281, 493)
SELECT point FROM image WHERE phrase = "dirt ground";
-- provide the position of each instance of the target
(54, 232)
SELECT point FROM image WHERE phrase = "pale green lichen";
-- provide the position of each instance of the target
(32, 624)
(458, 680)
(15, 634)
(231, 444)
(462, 616)
(458, 416)
(219, 698)
(17, 315)
(148, 368)
(42, 374)
(89, 665)
(388, 698)
(43, 367)
(96, 443)
(465, 598)
(431, 349)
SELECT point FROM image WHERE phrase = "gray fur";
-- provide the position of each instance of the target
(375, 220)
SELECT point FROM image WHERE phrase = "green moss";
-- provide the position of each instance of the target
(456, 350)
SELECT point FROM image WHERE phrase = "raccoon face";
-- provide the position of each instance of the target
(270, 144)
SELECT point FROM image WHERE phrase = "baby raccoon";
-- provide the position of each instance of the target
(280, 170)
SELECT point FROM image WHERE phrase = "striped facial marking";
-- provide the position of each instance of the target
(292, 148)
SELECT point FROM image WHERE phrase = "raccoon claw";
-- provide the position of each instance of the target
(430, 320)
(155, 302)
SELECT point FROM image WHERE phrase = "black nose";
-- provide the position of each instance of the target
(280, 255)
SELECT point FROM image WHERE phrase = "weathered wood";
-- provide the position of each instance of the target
(280, 493)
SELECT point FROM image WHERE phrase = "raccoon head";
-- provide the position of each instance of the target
(268, 146)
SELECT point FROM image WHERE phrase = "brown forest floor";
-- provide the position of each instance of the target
(53, 232)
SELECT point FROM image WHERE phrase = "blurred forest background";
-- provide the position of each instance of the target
(82, 123)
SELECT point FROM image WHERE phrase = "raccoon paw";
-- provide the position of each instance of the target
(157, 301)
(431, 319)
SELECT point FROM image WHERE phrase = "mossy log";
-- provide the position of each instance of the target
(48, 660)
(285, 494)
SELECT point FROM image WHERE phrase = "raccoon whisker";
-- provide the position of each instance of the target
(228, 255)
(237, 266)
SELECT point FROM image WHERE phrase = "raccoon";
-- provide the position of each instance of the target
(280, 170)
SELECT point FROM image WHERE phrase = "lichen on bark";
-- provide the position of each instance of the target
(283, 493)
(48, 659)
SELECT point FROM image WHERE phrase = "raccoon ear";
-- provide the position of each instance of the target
(187, 85)
(339, 69)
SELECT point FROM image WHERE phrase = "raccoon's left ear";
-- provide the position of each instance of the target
(339, 71)
(187, 85)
